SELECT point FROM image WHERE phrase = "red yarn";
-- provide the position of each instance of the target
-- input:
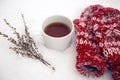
(116, 73)
(89, 63)
(97, 37)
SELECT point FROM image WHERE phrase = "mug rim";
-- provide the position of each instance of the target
(71, 31)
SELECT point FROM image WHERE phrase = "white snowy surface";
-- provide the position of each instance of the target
(15, 67)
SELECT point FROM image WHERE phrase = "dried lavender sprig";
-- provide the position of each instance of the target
(25, 44)
(14, 29)
(34, 48)
(9, 38)
(26, 28)
(28, 34)
(30, 39)
(22, 51)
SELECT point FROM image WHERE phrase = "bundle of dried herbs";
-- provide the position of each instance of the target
(25, 45)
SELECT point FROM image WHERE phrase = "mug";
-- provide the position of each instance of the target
(57, 43)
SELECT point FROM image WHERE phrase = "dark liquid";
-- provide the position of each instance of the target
(57, 29)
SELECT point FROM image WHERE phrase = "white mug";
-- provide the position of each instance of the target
(57, 43)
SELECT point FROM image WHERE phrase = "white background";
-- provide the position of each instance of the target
(15, 67)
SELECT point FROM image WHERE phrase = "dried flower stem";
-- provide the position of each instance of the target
(25, 44)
